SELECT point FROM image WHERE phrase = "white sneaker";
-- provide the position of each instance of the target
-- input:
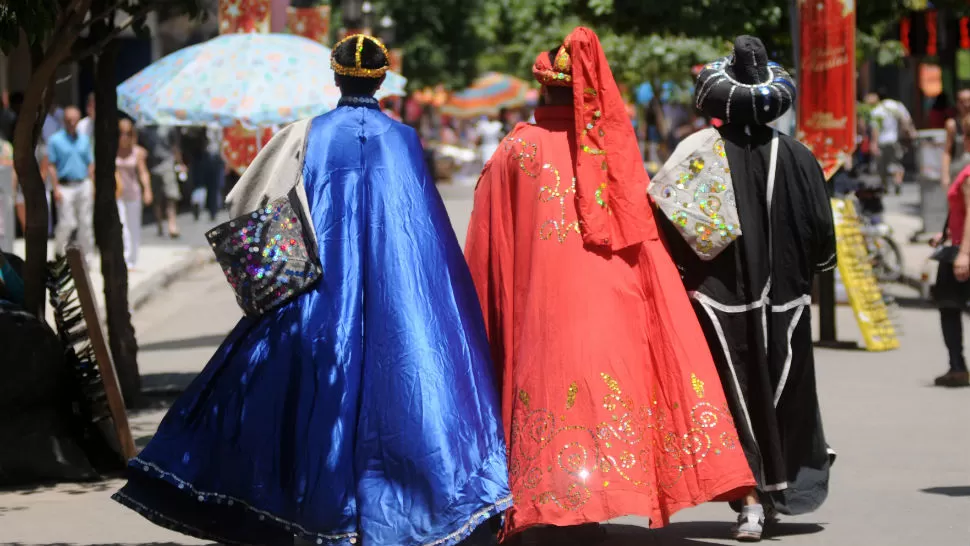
(751, 525)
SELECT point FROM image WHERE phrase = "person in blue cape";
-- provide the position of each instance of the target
(360, 409)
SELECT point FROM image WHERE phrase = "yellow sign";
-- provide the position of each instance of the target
(861, 286)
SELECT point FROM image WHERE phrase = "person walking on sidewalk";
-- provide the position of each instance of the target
(164, 160)
(359, 408)
(135, 190)
(892, 127)
(955, 155)
(72, 169)
(952, 289)
(749, 224)
(207, 170)
(610, 397)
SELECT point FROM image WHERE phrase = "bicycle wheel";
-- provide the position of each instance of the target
(888, 262)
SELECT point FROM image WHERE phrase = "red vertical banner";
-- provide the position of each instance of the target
(239, 145)
(244, 16)
(826, 81)
(312, 23)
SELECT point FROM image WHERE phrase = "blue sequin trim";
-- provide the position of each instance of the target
(164, 521)
(368, 102)
(219, 498)
(474, 522)
(453, 538)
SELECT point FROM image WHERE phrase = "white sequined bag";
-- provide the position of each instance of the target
(694, 190)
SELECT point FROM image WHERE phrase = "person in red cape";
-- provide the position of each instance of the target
(611, 401)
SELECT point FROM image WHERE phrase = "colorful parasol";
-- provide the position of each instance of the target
(258, 80)
(487, 95)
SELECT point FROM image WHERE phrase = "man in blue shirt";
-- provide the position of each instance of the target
(72, 165)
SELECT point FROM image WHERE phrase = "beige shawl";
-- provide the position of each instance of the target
(276, 170)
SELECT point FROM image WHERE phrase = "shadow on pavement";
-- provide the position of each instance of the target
(187, 343)
(164, 386)
(69, 488)
(693, 533)
(956, 491)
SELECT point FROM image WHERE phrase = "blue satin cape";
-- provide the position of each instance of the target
(363, 412)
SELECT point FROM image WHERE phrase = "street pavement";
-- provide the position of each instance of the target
(902, 476)
(161, 259)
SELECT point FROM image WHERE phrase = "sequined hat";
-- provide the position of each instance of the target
(358, 71)
(744, 87)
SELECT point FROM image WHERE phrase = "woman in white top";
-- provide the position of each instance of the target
(134, 188)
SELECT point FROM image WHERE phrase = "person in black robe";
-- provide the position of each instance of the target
(753, 298)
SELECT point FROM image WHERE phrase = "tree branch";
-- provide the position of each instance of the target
(66, 18)
(103, 15)
(140, 13)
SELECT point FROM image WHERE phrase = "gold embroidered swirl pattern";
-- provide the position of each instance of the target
(526, 153)
(637, 444)
(557, 227)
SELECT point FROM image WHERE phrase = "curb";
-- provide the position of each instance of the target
(193, 260)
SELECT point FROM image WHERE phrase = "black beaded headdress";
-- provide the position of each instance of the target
(744, 87)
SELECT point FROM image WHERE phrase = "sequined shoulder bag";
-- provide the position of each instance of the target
(694, 190)
(267, 255)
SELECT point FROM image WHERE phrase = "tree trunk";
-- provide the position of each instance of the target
(107, 223)
(32, 114)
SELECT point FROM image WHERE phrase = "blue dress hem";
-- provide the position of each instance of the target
(464, 530)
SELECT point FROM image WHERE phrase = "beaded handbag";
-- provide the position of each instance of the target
(694, 190)
(266, 255)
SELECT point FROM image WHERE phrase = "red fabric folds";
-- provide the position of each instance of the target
(611, 401)
(611, 183)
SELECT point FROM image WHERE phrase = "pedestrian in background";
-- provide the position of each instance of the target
(952, 289)
(135, 192)
(164, 158)
(72, 167)
(892, 129)
(206, 170)
(53, 122)
(955, 156)
(940, 112)
(86, 125)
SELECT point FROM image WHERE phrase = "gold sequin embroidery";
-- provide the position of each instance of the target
(571, 395)
(698, 385)
(558, 227)
(620, 446)
(526, 153)
(524, 398)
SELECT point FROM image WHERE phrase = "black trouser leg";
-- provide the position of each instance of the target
(951, 321)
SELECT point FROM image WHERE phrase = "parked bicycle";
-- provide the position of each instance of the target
(884, 253)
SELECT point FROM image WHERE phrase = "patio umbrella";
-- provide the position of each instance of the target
(487, 95)
(258, 80)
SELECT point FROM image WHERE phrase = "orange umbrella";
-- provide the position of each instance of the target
(487, 95)
(431, 96)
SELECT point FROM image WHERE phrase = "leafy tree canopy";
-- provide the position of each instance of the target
(40, 19)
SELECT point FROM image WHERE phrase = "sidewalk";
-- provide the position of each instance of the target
(161, 261)
(903, 215)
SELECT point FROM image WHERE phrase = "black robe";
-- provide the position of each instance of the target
(754, 302)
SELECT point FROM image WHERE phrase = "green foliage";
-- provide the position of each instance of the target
(35, 17)
(438, 39)
(39, 18)
(515, 31)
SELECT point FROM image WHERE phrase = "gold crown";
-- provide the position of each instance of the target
(358, 71)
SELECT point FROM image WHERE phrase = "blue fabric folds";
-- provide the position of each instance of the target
(363, 412)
